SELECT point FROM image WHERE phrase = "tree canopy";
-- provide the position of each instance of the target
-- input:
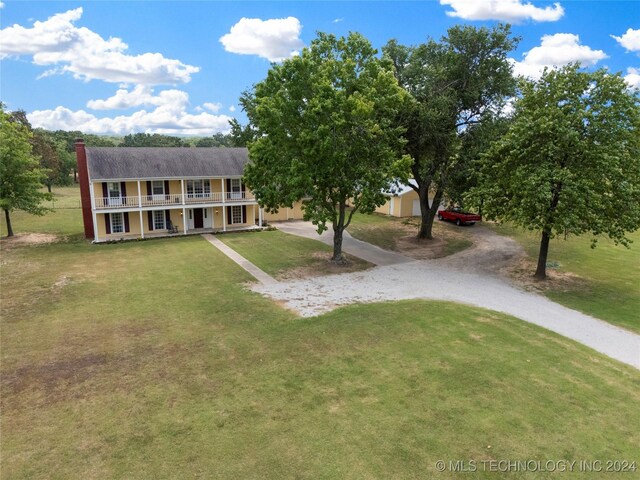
(151, 140)
(570, 160)
(453, 83)
(20, 175)
(325, 133)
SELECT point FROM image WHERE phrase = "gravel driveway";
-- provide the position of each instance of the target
(464, 278)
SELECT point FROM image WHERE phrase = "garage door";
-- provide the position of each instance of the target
(415, 211)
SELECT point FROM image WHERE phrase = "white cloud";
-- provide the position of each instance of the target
(630, 40)
(556, 51)
(212, 107)
(633, 77)
(86, 55)
(274, 39)
(170, 115)
(338, 20)
(139, 96)
(164, 119)
(232, 108)
(1, 4)
(504, 10)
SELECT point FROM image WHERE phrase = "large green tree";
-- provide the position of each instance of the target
(570, 161)
(325, 134)
(20, 175)
(453, 83)
(240, 136)
(45, 149)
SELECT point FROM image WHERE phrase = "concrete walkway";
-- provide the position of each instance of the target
(350, 245)
(259, 275)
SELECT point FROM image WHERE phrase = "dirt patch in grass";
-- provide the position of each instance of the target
(322, 265)
(401, 236)
(521, 271)
(23, 239)
(50, 375)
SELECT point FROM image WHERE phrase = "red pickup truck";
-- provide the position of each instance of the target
(455, 214)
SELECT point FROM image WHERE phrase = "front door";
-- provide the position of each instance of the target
(197, 218)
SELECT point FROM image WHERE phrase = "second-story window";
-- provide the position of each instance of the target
(158, 188)
(236, 188)
(198, 188)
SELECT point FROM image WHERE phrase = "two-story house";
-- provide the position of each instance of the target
(138, 192)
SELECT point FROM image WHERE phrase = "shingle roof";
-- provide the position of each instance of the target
(119, 163)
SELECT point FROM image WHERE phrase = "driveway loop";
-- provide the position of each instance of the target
(350, 245)
(448, 280)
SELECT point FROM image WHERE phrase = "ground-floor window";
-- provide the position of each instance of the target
(117, 222)
(236, 214)
(159, 220)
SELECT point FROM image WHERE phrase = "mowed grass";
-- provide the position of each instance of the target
(280, 254)
(150, 360)
(64, 220)
(609, 286)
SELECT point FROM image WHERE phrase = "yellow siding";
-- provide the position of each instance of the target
(384, 208)
(134, 227)
(407, 199)
(285, 213)
(216, 186)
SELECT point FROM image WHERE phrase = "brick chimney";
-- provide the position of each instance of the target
(85, 194)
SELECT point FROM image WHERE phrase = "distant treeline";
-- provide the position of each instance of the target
(56, 149)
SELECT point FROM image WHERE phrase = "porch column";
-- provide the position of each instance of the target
(182, 190)
(260, 217)
(224, 218)
(184, 221)
(93, 212)
(140, 212)
(224, 197)
(139, 200)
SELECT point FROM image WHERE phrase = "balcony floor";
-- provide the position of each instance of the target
(192, 231)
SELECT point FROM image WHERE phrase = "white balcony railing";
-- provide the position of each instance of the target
(203, 197)
(116, 202)
(238, 197)
(160, 200)
(171, 199)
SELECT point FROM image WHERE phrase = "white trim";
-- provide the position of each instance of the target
(184, 221)
(133, 179)
(139, 196)
(93, 212)
(182, 190)
(141, 222)
(260, 213)
(224, 218)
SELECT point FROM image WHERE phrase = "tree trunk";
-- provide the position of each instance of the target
(338, 230)
(75, 175)
(427, 212)
(49, 187)
(541, 271)
(8, 219)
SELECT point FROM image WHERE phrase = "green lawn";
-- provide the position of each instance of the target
(282, 255)
(149, 360)
(610, 275)
(65, 219)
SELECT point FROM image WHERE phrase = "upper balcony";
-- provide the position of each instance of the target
(173, 199)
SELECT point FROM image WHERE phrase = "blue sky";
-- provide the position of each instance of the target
(179, 67)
